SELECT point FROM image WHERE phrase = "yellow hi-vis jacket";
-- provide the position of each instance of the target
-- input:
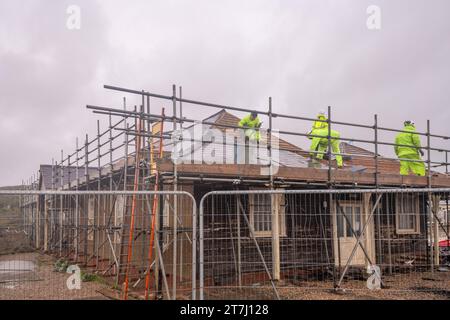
(320, 143)
(410, 138)
(251, 126)
(320, 124)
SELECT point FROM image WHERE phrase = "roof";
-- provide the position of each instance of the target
(364, 159)
(225, 118)
(69, 175)
(290, 155)
(287, 154)
(357, 160)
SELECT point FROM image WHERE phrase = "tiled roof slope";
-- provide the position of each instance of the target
(359, 157)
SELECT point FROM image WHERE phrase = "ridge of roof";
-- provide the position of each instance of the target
(221, 113)
(68, 167)
(359, 155)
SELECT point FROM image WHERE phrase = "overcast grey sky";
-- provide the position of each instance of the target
(306, 54)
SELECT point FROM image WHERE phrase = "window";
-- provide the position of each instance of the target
(261, 214)
(444, 215)
(407, 218)
(353, 213)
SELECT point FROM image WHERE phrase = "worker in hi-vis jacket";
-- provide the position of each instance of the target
(408, 150)
(320, 142)
(251, 125)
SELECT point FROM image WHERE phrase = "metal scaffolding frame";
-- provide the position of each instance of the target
(375, 127)
(106, 161)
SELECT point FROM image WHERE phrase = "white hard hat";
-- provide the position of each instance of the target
(321, 112)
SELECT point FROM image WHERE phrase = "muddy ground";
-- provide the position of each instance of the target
(31, 276)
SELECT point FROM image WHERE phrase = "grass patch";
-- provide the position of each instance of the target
(91, 277)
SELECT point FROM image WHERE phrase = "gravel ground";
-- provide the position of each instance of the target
(417, 286)
(43, 283)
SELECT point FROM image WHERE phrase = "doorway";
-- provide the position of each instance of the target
(345, 240)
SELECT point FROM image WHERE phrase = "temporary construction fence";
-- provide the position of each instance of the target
(283, 244)
(242, 244)
(141, 243)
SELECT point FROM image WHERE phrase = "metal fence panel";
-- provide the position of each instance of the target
(111, 239)
(253, 244)
(297, 244)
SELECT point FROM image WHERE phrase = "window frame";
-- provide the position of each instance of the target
(281, 214)
(353, 204)
(403, 231)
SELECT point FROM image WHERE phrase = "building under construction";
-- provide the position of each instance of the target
(191, 210)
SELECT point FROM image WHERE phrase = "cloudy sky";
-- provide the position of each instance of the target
(306, 54)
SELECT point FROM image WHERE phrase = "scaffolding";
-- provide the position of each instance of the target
(122, 157)
(441, 162)
(93, 151)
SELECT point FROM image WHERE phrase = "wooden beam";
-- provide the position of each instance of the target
(435, 224)
(275, 237)
(45, 224)
(38, 222)
(304, 174)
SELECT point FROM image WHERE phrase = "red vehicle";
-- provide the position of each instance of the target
(444, 243)
(444, 251)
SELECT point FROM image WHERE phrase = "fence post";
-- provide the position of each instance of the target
(375, 127)
(275, 208)
(275, 238)
(97, 213)
(435, 243)
(430, 200)
(446, 162)
(429, 153)
(86, 203)
(175, 202)
(53, 204)
(329, 146)
(194, 250)
(61, 232)
(77, 203)
(239, 254)
(201, 249)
